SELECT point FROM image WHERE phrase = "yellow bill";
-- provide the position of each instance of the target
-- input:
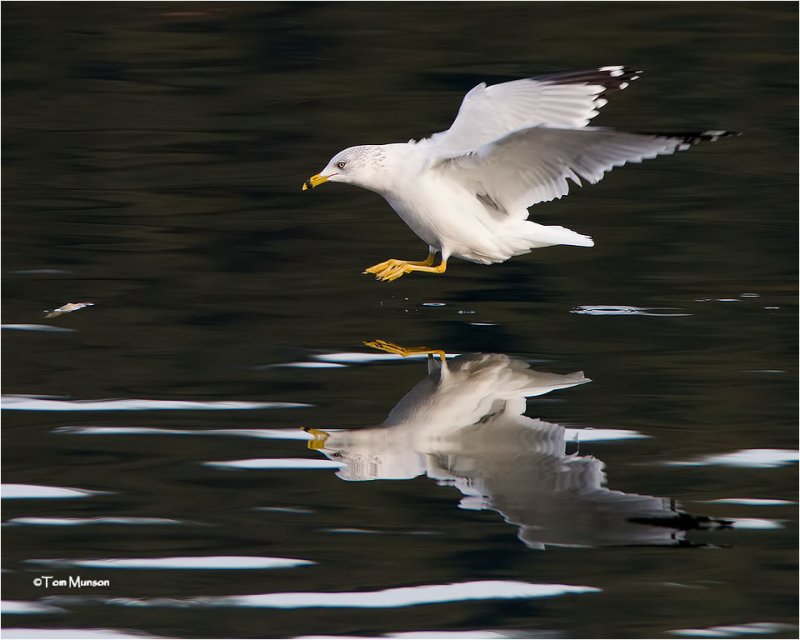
(314, 181)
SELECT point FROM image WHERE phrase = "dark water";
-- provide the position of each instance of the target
(153, 156)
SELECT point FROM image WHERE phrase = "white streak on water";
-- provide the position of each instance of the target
(359, 358)
(270, 434)
(78, 634)
(440, 635)
(755, 523)
(748, 629)
(387, 598)
(752, 502)
(598, 435)
(75, 522)
(35, 491)
(25, 607)
(276, 463)
(624, 310)
(201, 562)
(45, 328)
(34, 403)
(754, 458)
(313, 365)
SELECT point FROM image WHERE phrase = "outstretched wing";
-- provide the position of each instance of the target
(533, 165)
(559, 100)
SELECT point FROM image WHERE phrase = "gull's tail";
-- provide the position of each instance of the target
(542, 236)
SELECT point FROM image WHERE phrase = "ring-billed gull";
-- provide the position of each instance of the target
(466, 191)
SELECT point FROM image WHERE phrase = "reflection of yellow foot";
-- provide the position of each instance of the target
(393, 269)
(391, 347)
(317, 442)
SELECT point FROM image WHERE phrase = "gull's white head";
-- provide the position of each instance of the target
(363, 166)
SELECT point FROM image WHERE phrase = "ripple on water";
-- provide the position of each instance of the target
(39, 403)
(601, 435)
(79, 634)
(45, 328)
(269, 434)
(37, 492)
(77, 522)
(190, 562)
(276, 463)
(754, 458)
(624, 310)
(747, 629)
(753, 502)
(26, 607)
(387, 598)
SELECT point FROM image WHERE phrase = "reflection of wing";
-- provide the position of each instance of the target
(518, 467)
(565, 100)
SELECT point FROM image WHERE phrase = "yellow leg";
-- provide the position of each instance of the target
(391, 347)
(392, 269)
(319, 438)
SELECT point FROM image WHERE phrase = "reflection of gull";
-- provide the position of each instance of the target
(466, 191)
(463, 426)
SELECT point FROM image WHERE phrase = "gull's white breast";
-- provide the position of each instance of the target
(449, 217)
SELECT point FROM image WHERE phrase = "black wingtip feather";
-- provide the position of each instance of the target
(689, 139)
(613, 78)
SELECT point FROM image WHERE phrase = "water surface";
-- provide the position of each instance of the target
(610, 449)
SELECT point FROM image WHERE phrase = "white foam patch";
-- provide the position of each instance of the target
(387, 598)
(752, 502)
(77, 522)
(598, 435)
(46, 328)
(37, 492)
(193, 563)
(269, 434)
(754, 458)
(748, 629)
(276, 463)
(25, 607)
(38, 403)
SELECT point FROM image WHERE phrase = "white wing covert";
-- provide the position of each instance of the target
(533, 165)
(559, 100)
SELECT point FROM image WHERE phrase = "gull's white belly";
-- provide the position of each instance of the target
(452, 220)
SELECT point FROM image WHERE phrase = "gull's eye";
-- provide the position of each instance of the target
(341, 164)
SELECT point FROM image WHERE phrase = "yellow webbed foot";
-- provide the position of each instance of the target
(391, 347)
(386, 267)
(393, 269)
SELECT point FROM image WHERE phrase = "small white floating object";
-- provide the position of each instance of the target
(67, 308)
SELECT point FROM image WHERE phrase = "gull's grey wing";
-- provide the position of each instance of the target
(532, 165)
(561, 100)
